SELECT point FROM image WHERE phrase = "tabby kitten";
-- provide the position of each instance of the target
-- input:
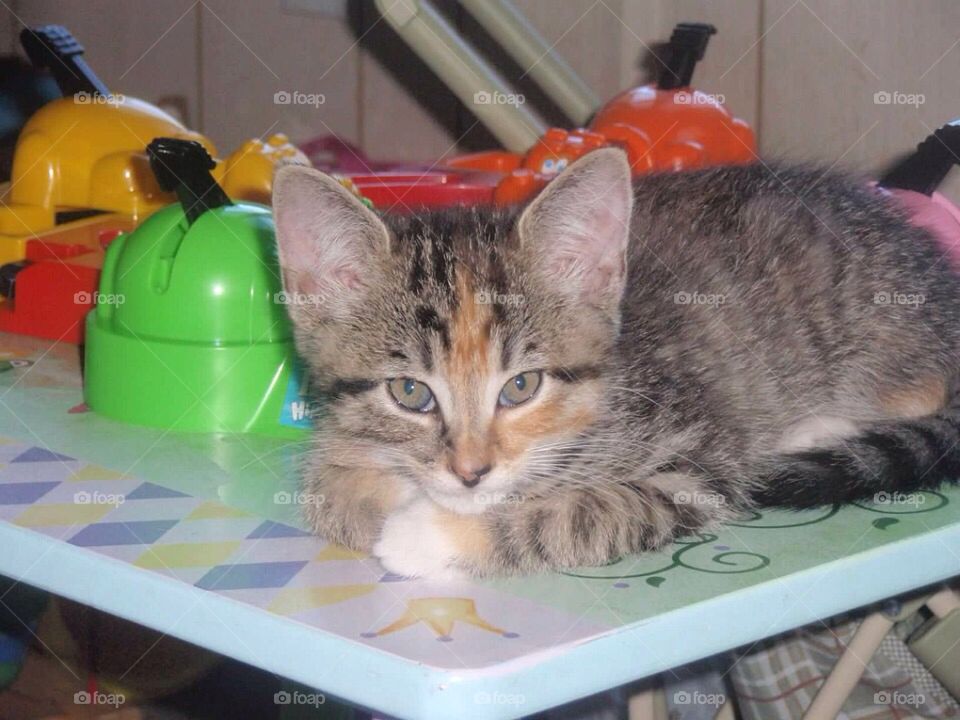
(617, 364)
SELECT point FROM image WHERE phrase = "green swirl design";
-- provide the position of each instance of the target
(694, 553)
(756, 521)
(728, 562)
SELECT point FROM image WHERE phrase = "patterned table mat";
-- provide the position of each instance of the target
(269, 564)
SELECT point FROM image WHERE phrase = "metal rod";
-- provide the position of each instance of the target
(526, 46)
(467, 74)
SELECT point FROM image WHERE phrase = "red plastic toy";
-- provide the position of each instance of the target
(60, 278)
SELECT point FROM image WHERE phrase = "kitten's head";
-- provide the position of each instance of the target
(465, 350)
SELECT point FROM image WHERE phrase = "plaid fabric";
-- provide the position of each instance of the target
(778, 680)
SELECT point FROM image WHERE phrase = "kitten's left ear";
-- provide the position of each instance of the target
(579, 226)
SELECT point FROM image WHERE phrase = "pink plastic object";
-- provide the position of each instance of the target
(936, 214)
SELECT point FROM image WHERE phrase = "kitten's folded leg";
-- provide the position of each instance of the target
(570, 527)
(348, 505)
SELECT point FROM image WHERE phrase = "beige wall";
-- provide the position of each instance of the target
(804, 72)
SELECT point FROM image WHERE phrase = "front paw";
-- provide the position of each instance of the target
(415, 543)
(355, 524)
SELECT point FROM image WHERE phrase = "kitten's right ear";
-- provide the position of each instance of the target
(328, 241)
(579, 227)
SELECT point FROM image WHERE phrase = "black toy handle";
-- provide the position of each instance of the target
(53, 48)
(183, 167)
(686, 48)
(925, 169)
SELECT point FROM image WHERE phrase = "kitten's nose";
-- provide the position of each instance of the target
(469, 476)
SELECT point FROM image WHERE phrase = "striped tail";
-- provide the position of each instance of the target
(888, 459)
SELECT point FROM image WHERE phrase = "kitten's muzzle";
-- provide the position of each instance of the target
(470, 477)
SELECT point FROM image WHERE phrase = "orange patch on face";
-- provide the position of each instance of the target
(469, 332)
(557, 416)
(925, 397)
(466, 369)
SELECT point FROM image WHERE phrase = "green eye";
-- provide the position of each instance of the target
(520, 388)
(412, 394)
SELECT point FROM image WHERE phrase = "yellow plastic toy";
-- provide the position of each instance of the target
(87, 152)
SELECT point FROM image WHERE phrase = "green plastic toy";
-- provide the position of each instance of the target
(189, 331)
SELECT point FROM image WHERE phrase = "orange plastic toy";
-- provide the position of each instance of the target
(662, 127)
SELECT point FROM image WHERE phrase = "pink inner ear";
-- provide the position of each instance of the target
(309, 283)
(348, 277)
(302, 282)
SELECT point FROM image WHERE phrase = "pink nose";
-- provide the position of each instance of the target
(468, 475)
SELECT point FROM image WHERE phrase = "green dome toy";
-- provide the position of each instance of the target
(189, 331)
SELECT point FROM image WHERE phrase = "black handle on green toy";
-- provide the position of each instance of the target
(686, 48)
(53, 48)
(183, 167)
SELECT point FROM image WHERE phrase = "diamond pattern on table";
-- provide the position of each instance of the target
(24, 493)
(137, 532)
(61, 514)
(279, 549)
(250, 575)
(97, 472)
(211, 510)
(160, 509)
(38, 454)
(91, 492)
(271, 529)
(9, 449)
(213, 530)
(291, 601)
(37, 472)
(258, 597)
(178, 555)
(317, 574)
(151, 491)
(333, 552)
(124, 553)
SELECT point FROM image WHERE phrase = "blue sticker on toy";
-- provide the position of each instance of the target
(298, 409)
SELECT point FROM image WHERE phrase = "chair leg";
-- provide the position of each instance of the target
(726, 711)
(849, 668)
(944, 602)
(647, 703)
